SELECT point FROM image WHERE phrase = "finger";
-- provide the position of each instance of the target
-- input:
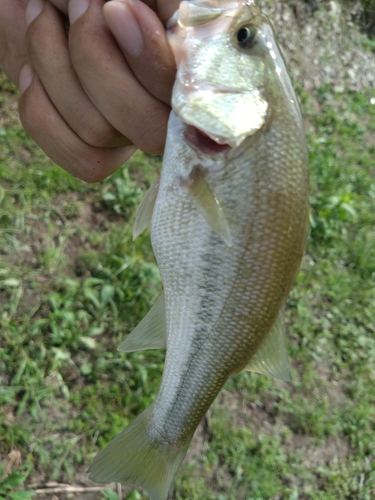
(141, 36)
(151, 3)
(61, 144)
(166, 9)
(61, 5)
(110, 83)
(48, 49)
(13, 52)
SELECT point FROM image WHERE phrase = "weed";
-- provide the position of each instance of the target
(11, 484)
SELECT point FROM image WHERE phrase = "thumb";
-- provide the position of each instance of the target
(141, 37)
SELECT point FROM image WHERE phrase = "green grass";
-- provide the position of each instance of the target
(73, 284)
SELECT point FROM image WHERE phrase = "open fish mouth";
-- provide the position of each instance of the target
(218, 118)
(204, 143)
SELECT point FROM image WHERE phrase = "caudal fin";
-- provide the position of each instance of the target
(133, 457)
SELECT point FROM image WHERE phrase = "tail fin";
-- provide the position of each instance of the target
(133, 457)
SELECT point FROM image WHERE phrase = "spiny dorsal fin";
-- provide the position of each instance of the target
(145, 209)
(150, 332)
(271, 358)
(207, 204)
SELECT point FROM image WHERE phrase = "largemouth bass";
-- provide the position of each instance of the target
(229, 221)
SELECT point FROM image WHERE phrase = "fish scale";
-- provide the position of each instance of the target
(228, 229)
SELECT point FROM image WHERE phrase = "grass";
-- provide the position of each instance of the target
(73, 284)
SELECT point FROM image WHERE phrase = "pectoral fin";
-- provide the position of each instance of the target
(151, 331)
(207, 204)
(145, 209)
(271, 358)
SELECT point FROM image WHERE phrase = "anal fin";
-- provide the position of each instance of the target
(150, 333)
(144, 211)
(271, 357)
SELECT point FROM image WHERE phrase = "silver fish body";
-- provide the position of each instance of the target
(228, 230)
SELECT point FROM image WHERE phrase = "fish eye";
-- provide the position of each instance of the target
(246, 36)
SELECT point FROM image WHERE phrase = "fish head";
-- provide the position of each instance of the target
(227, 63)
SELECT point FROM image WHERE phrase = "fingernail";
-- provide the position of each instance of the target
(33, 9)
(77, 8)
(124, 27)
(26, 77)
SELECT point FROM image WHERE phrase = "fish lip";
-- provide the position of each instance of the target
(203, 143)
(198, 138)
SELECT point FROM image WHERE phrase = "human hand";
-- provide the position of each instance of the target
(86, 120)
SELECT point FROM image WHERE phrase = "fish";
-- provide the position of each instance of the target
(229, 222)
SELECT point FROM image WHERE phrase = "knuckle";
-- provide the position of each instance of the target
(152, 138)
(98, 165)
(29, 114)
(37, 40)
(63, 146)
(93, 128)
(99, 135)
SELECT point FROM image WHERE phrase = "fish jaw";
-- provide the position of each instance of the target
(203, 143)
(250, 112)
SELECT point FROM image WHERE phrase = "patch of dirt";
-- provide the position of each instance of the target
(267, 418)
(75, 213)
(8, 104)
(323, 46)
(199, 444)
(334, 448)
(4, 298)
(247, 414)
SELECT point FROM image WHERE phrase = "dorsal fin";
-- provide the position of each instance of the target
(271, 358)
(150, 333)
(145, 209)
(207, 203)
